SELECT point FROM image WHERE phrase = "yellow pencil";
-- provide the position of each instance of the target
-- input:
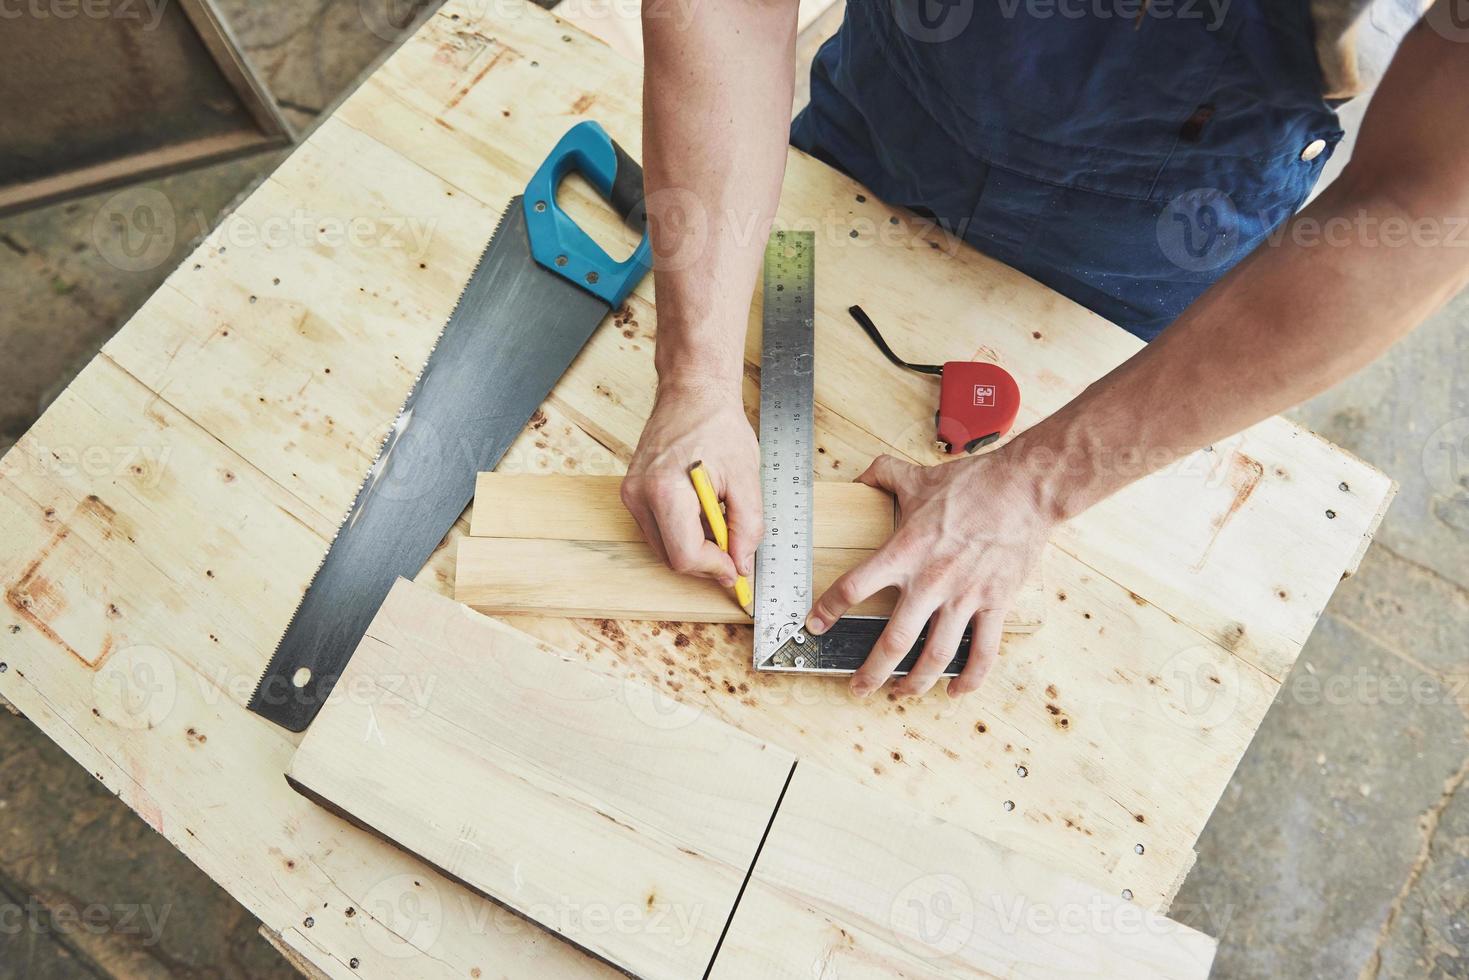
(709, 500)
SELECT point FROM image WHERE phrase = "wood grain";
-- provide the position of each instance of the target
(626, 823)
(853, 883)
(174, 501)
(617, 819)
(588, 508)
(566, 546)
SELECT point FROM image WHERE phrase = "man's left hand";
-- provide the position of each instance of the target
(968, 534)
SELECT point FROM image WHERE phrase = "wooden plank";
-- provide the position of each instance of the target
(566, 546)
(852, 883)
(619, 820)
(266, 399)
(588, 508)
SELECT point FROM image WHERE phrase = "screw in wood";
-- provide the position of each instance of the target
(1127, 894)
(1009, 805)
(1022, 772)
(1137, 848)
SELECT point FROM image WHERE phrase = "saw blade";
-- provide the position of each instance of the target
(515, 330)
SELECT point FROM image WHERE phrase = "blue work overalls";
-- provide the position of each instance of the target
(1125, 161)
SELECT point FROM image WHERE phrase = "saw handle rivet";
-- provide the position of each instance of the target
(592, 277)
(560, 260)
(540, 205)
(302, 677)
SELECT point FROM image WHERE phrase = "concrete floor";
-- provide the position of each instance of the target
(1340, 849)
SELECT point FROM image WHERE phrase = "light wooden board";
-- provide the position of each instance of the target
(160, 522)
(626, 823)
(618, 819)
(566, 546)
(589, 508)
(851, 883)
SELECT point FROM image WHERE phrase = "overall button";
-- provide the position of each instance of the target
(1313, 150)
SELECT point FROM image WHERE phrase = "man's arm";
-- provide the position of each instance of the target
(1302, 312)
(716, 113)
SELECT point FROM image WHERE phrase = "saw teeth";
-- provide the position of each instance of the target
(271, 667)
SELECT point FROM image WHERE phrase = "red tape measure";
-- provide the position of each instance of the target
(978, 401)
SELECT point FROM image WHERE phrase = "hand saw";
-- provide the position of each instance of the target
(540, 289)
(784, 561)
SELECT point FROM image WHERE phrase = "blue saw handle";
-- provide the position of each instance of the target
(558, 243)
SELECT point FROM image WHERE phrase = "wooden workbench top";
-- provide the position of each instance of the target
(159, 523)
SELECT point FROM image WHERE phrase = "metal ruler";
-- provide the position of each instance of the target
(784, 563)
(787, 402)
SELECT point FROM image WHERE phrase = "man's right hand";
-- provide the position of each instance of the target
(692, 423)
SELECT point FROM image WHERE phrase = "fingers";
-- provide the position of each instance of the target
(984, 649)
(671, 520)
(885, 472)
(945, 632)
(746, 521)
(848, 590)
(892, 646)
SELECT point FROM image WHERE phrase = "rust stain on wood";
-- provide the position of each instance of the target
(39, 599)
(1245, 474)
(479, 77)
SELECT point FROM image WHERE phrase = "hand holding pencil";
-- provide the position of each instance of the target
(714, 514)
